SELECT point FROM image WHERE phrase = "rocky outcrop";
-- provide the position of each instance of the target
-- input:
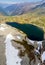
(17, 42)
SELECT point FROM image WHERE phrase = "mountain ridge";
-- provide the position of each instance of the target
(22, 8)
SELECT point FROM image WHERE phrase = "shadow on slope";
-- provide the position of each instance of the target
(33, 32)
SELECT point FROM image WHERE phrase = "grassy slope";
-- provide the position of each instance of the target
(31, 18)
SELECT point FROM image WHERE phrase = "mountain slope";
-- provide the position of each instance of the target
(22, 8)
(40, 9)
(2, 11)
(4, 5)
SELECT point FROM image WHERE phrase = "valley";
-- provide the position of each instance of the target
(22, 33)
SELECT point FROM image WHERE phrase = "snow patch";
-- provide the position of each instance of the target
(3, 27)
(37, 51)
(11, 52)
(32, 41)
(43, 56)
(38, 63)
(39, 43)
(18, 37)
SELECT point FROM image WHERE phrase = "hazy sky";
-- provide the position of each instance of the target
(17, 1)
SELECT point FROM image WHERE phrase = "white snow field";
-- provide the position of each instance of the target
(12, 57)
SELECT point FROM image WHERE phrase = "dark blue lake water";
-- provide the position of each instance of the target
(33, 32)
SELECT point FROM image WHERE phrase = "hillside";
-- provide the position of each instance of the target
(22, 29)
(17, 9)
(4, 5)
(15, 47)
(33, 18)
(2, 11)
(22, 8)
(22, 32)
